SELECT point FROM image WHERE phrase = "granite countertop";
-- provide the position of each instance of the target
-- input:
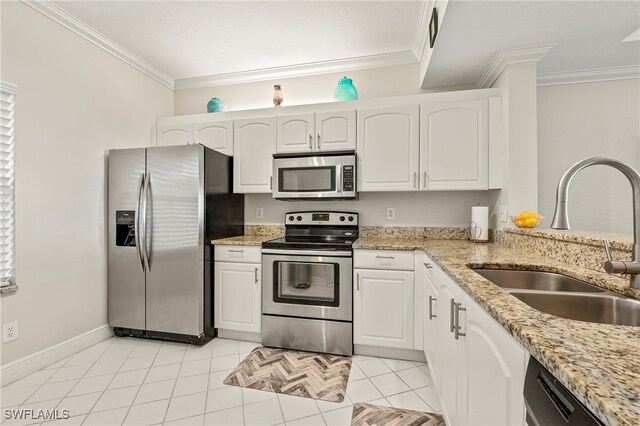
(244, 240)
(599, 363)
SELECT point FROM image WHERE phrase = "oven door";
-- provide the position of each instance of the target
(307, 284)
(307, 177)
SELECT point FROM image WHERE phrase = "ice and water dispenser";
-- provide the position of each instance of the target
(125, 228)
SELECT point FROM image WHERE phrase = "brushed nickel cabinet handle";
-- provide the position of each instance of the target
(318, 142)
(457, 332)
(431, 314)
(271, 182)
(385, 257)
(451, 320)
(424, 185)
(256, 275)
(358, 282)
(235, 251)
(428, 266)
(310, 141)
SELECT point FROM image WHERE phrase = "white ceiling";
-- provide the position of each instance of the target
(190, 41)
(187, 39)
(587, 35)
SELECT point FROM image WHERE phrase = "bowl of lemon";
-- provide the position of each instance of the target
(527, 220)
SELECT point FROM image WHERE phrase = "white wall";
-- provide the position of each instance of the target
(446, 208)
(576, 121)
(371, 83)
(520, 182)
(74, 102)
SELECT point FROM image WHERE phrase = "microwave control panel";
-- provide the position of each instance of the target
(348, 178)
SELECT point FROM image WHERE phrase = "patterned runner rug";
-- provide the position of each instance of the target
(306, 374)
(376, 415)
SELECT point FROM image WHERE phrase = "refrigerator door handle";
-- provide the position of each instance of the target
(138, 229)
(145, 243)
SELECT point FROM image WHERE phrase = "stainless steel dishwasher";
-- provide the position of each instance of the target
(549, 403)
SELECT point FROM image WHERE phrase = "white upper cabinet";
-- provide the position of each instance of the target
(253, 149)
(454, 145)
(388, 149)
(296, 133)
(336, 131)
(326, 131)
(216, 135)
(180, 134)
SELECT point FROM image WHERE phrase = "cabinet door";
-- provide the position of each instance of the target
(383, 308)
(167, 135)
(432, 323)
(491, 360)
(454, 149)
(388, 149)
(336, 131)
(450, 350)
(217, 135)
(237, 292)
(296, 133)
(253, 148)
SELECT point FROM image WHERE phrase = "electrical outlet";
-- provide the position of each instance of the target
(9, 331)
(391, 213)
(503, 213)
(259, 213)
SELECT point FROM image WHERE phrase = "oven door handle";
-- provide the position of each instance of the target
(303, 252)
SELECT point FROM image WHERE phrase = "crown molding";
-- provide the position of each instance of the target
(299, 70)
(56, 13)
(511, 56)
(7, 87)
(423, 26)
(587, 76)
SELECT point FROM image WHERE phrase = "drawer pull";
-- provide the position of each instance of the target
(358, 282)
(385, 257)
(235, 251)
(256, 275)
(428, 266)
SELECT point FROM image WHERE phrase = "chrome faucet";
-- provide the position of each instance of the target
(561, 217)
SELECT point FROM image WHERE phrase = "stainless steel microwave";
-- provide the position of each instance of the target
(315, 176)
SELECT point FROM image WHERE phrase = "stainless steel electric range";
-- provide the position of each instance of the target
(307, 281)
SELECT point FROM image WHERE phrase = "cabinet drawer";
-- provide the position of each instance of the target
(384, 259)
(243, 254)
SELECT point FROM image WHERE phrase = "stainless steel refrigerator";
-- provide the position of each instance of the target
(165, 206)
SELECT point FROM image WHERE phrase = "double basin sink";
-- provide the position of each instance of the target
(565, 297)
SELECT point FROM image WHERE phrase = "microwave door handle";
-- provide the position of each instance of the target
(339, 177)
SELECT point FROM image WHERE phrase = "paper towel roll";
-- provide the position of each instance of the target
(479, 223)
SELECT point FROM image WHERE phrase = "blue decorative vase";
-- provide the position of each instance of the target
(216, 105)
(345, 91)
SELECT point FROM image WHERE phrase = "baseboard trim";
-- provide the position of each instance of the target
(406, 354)
(240, 335)
(24, 366)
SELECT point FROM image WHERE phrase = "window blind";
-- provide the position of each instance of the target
(7, 186)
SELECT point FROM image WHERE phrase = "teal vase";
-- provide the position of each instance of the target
(345, 91)
(216, 105)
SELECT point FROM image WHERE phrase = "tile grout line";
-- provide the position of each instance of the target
(164, 419)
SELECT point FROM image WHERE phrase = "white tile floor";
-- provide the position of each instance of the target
(143, 382)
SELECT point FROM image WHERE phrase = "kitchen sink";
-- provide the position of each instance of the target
(604, 308)
(535, 280)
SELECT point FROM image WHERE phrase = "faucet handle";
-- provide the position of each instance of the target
(608, 250)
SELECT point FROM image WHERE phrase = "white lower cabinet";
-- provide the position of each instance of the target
(479, 369)
(383, 307)
(238, 296)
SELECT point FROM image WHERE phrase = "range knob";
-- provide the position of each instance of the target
(350, 218)
(341, 218)
(299, 218)
(291, 218)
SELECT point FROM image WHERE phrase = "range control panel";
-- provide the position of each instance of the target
(321, 218)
